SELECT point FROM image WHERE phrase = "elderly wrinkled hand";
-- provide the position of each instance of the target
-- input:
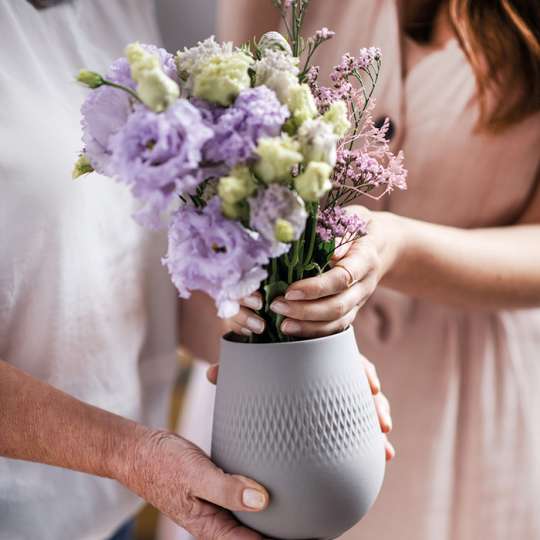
(179, 479)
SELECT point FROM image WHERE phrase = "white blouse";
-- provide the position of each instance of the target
(84, 302)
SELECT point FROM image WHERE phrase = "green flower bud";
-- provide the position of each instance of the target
(274, 41)
(237, 186)
(284, 231)
(338, 117)
(90, 78)
(314, 182)
(82, 166)
(277, 156)
(302, 104)
(222, 78)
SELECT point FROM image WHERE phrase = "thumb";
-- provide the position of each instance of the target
(233, 492)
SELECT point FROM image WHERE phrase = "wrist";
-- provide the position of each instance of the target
(127, 444)
(392, 230)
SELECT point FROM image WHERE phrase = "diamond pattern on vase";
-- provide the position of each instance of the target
(331, 419)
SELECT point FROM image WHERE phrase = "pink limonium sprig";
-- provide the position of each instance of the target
(366, 165)
(363, 70)
(312, 44)
(339, 225)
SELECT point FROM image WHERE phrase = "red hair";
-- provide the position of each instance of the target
(502, 41)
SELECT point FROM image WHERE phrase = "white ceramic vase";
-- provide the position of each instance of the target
(299, 418)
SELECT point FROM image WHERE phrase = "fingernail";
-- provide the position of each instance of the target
(390, 449)
(253, 499)
(376, 383)
(246, 331)
(294, 295)
(290, 327)
(387, 421)
(280, 307)
(253, 302)
(340, 252)
(257, 325)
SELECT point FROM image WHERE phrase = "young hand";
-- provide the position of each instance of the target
(328, 303)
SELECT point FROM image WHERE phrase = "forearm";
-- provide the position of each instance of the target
(200, 329)
(492, 268)
(42, 424)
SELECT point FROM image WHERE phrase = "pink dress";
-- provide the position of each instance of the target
(464, 385)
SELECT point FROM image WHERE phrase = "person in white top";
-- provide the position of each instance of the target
(87, 314)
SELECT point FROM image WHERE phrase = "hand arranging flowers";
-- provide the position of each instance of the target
(245, 158)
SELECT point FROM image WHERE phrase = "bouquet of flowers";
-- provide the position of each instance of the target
(243, 155)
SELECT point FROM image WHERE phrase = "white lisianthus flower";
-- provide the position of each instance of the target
(318, 141)
(302, 104)
(213, 71)
(278, 71)
(274, 41)
(338, 117)
(277, 156)
(189, 60)
(155, 89)
(314, 183)
(233, 190)
(222, 78)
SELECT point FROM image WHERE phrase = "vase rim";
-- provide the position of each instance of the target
(331, 337)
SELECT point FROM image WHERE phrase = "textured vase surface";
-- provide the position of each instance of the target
(299, 418)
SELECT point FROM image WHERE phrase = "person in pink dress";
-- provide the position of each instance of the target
(444, 291)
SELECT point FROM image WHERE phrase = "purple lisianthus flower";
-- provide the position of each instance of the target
(256, 113)
(273, 203)
(216, 255)
(106, 109)
(104, 112)
(158, 156)
(119, 71)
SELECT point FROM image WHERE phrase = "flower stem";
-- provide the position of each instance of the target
(312, 233)
(122, 87)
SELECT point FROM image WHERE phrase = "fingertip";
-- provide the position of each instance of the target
(374, 383)
(290, 327)
(212, 373)
(295, 294)
(255, 324)
(253, 301)
(254, 496)
(390, 450)
(386, 423)
(254, 499)
(340, 252)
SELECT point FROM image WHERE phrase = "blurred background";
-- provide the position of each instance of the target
(182, 23)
